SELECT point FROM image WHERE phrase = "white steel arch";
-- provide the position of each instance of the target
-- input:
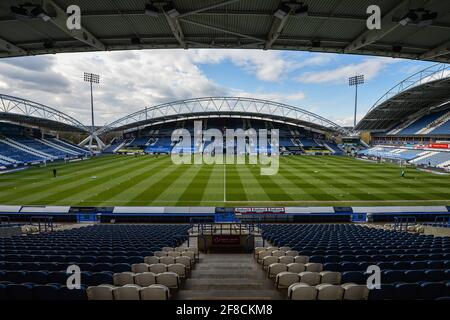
(433, 73)
(15, 106)
(221, 105)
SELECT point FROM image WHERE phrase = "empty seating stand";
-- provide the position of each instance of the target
(35, 266)
(412, 266)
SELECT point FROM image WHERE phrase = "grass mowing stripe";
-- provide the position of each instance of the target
(158, 184)
(196, 188)
(83, 185)
(234, 187)
(50, 183)
(180, 184)
(214, 186)
(119, 185)
(251, 186)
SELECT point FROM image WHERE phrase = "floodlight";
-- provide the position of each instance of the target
(282, 12)
(171, 10)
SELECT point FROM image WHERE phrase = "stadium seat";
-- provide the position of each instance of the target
(168, 279)
(102, 292)
(330, 277)
(167, 260)
(276, 268)
(157, 268)
(145, 279)
(154, 292)
(355, 292)
(302, 291)
(313, 267)
(178, 268)
(310, 278)
(127, 292)
(45, 292)
(151, 259)
(140, 267)
(329, 292)
(295, 267)
(285, 279)
(286, 259)
(123, 278)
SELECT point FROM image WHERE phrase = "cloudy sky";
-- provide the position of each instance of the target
(132, 80)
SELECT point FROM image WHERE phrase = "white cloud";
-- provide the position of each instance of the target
(370, 68)
(265, 65)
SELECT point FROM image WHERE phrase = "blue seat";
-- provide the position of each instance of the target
(407, 291)
(432, 290)
(38, 277)
(401, 265)
(99, 278)
(386, 265)
(434, 275)
(385, 293)
(88, 259)
(391, 276)
(72, 294)
(436, 265)
(315, 259)
(99, 267)
(357, 277)
(332, 258)
(414, 275)
(120, 267)
(332, 266)
(349, 266)
(104, 259)
(45, 292)
(16, 276)
(135, 259)
(57, 277)
(419, 265)
(19, 292)
(120, 259)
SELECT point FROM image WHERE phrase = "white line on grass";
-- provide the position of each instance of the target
(224, 183)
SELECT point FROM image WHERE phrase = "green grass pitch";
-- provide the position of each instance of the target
(150, 181)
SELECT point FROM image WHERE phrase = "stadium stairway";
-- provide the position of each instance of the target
(228, 276)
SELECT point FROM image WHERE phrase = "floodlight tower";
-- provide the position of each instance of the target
(92, 78)
(356, 81)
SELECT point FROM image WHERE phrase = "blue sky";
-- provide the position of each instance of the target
(132, 80)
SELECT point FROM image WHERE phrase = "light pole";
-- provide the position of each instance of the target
(91, 78)
(355, 81)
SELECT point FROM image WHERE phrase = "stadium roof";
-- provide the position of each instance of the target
(23, 111)
(323, 26)
(425, 90)
(223, 107)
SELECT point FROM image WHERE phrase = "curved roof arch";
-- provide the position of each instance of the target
(25, 111)
(231, 106)
(425, 90)
(325, 26)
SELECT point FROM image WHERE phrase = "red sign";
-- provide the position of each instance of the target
(438, 146)
(226, 239)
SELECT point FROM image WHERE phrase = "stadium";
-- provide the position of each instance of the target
(352, 212)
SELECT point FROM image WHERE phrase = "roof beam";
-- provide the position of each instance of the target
(387, 26)
(11, 48)
(206, 8)
(441, 50)
(60, 21)
(276, 29)
(223, 30)
(175, 27)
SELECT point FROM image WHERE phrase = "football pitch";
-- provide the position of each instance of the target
(155, 181)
